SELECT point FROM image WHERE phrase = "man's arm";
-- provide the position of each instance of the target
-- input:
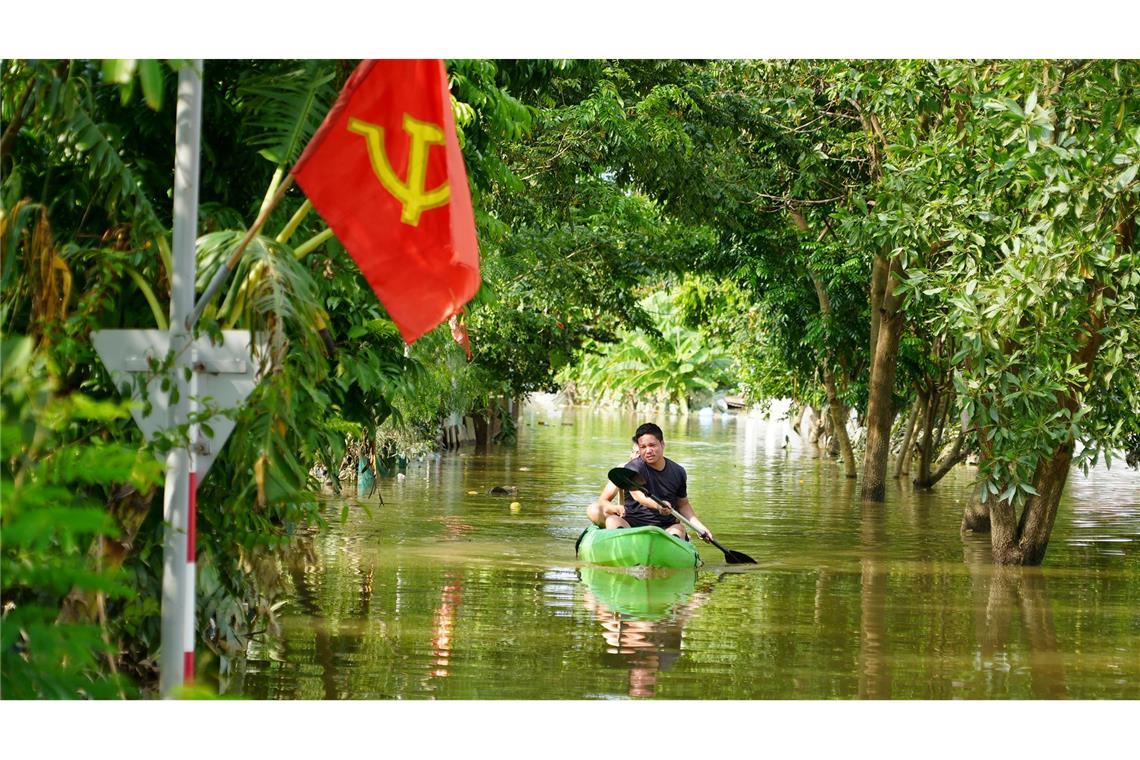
(686, 509)
(609, 492)
(604, 506)
(647, 502)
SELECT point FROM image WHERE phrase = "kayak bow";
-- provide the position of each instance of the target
(647, 546)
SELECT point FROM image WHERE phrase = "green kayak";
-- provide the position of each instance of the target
(647, 546)
(639, 597)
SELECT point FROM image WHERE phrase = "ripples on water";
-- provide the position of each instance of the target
(439, 593)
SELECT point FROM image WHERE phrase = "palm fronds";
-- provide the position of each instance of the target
(284, 108)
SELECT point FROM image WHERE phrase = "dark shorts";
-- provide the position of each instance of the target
(636, 521)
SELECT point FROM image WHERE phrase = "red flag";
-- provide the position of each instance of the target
(386, 173)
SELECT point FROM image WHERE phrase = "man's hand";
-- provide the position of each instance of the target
(664, 507)
(615, 510)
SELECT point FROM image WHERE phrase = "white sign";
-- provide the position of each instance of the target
(226, 375)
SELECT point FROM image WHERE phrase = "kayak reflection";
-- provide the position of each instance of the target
(642, 618)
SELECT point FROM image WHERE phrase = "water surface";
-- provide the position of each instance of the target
(443, 593)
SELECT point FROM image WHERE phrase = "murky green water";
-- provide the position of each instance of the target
(439, 593)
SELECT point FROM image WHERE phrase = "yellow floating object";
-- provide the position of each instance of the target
(472, 493)
(516, 507)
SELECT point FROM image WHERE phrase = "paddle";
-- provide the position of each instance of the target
(632, 480)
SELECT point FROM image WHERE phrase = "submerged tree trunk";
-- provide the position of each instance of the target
(976, 515)
(482, 429)
(902, 467)
(836, 407)
(839, 425)
(956, 455)
(1024, 541)
(886, 331)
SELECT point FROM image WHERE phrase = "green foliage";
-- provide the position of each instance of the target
(670, 365)
(283, 109)
(1029, 184)
(53, 524)
(122, 71)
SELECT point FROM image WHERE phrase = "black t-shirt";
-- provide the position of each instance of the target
(669, 484)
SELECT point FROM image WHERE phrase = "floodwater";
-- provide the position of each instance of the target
(441, 593)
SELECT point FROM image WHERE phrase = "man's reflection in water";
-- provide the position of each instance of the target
(645, 646)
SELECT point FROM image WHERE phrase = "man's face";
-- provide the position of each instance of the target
(650, 449)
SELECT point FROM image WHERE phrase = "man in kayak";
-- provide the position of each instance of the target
(665, 479)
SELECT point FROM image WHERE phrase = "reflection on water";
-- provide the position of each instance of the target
(1001, 595)
(444, 622)
(444, 591)
(874, 653)
(642, 619)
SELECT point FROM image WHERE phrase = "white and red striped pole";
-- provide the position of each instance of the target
(176, 664)
(190, 567)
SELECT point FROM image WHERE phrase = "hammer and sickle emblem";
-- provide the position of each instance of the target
(411, 192)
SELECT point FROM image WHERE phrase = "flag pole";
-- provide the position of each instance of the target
(232, 262)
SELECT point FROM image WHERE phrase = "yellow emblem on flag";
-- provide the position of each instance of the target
(410, 192)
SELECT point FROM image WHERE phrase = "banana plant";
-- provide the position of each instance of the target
(674, 366)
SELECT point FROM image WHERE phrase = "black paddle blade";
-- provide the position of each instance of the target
(627, 479)
(737, 558)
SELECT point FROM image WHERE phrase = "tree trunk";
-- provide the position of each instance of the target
(944, 409)
(482, 429)
(878, 286)
(956, 455)
(836, 407)
(880, 414)
(496, 418)
(903, 465)
(827, 440)
(839, 424)
(926, 444)
(1023, 542)
(817, 428)
(976, 515)
(1036, 524)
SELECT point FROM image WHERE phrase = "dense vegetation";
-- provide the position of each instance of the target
(950, 240)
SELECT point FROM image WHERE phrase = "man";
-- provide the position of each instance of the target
(664, 478)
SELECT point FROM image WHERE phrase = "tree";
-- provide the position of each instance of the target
(1033, 188)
